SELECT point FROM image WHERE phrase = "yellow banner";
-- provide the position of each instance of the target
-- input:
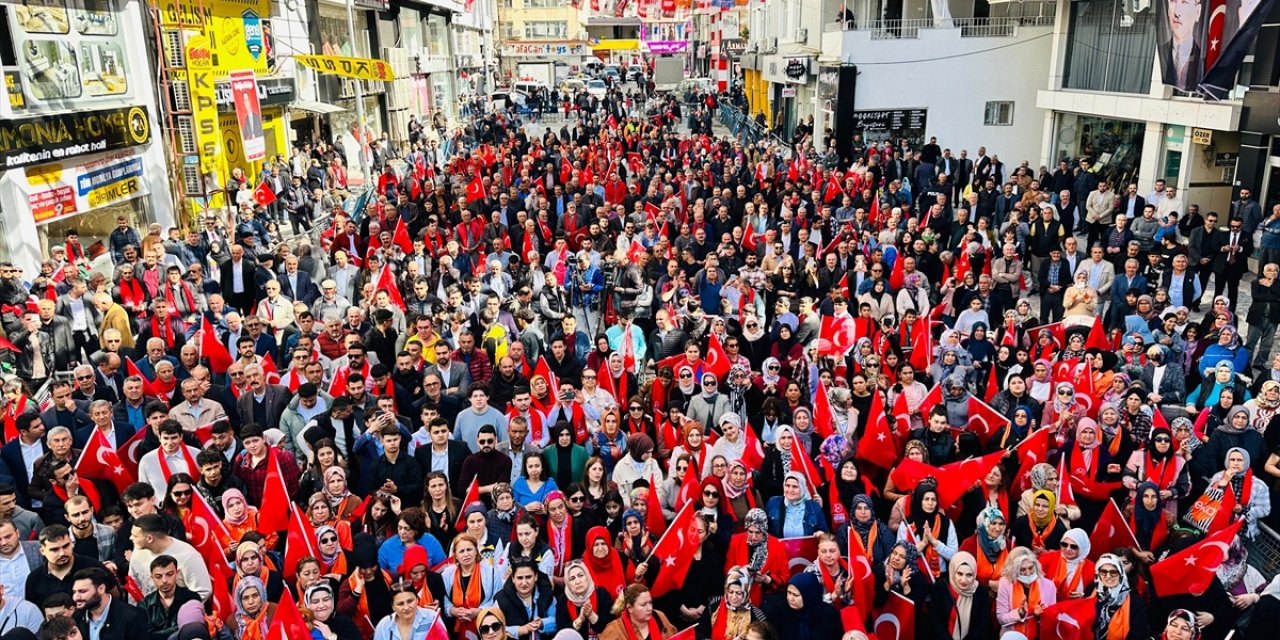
(358, 68)
(204, 106)
(238, 31)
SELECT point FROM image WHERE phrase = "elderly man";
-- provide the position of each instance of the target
(102, 414)
(195, 411)
(87, 387)
(264, 403)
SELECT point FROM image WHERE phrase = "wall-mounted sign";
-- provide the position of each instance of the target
(1225, 159)
(539, 49)
(204, 107)
(1202, 136)
(271, 92)
(886, 124)
(667, 47)
(357, 68)
(55, 137)
(57, 191)
(796, 68)
(788, 92)
(249, 113)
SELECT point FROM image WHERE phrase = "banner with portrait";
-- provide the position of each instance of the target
(244, 92)
(1201, 43)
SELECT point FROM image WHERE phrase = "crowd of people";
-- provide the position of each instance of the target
(623, 381)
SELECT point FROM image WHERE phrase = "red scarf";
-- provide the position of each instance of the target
(1164, 475)
(86, 489)
(1226, 513)
(162, 330)
(186, 294)
(577, 418)
(186, 454)
(655, 632)
(75, 251)
(131, 292)
(560, 540)
(11, 412)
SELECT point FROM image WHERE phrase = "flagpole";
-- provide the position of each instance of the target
(666, 533)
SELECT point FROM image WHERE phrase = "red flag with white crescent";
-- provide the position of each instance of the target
(896, 620)
(1111, 532)
(473, 496)
(1069, 620)
(99, 461)
(801, 552)
(1193, 569)
(674, 552)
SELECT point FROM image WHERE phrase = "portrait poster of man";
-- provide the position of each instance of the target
(1201, 43)
(244, 92)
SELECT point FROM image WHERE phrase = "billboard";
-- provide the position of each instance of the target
(52, 138)
(56, 191)
(1201, 43)
(70, 54)
(204, 107)
(244, 92)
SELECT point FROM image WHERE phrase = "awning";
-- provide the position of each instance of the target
(316, 107)
(619, 44)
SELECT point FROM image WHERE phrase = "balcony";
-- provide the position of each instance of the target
(910, 29)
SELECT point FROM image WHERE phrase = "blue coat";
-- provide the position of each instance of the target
(814, 520)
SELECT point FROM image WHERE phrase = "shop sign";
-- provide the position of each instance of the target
(1225, 159)
(271, 92)
(376, 5)
(239, 31)
(71, 55)
(734, 47)
(204, 105)
(56, 137)
(356, 68)
(797, 68)
(56, 191)
(534, 49)
(788, 92)
(1202, 136)
(663, 47)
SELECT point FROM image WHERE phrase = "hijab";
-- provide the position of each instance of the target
(732, 491)
(1081, 538)
(991, 548)
(639, 444)
(604, 572)
(1039, 476)
(964, 597)
(810, 589)
(1145, 522)
(710, 396)
(583, 598)
(1110, 599)
(767, 377)
(804, 487)
(246, 621)
(690, 389)
(320, 531)
(335, 500)
(227, 497)
(1053, 504)
(863, 528)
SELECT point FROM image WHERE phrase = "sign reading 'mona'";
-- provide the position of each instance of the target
(51, 138)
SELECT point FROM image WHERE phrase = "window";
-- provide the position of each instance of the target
(1110, 46)
(999, 113)
(542, 4)
(545, 29)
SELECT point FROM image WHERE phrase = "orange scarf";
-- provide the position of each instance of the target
(987, 570)
(931, 557)
(1028, 597)
(1118, 627)
(467, 599)
(1038, 537)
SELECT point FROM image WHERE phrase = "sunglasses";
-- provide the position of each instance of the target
(635, 408)
(181, 493)
(83, 378)
(328, 540)
(684, 376)
(711, 494)
(1163, 439)
(1069, 545)
(575, 498)
(486, 441)
(493, 627)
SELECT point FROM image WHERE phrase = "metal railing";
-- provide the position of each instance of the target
(744, 127)
(910, 28)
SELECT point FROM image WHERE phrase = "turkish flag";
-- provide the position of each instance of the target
(473, 496)
(1111, 532)
(653, 518)
(287, 624)
(1066, 493)
(801, 552)
(388, 283)
(1069, 620)
(475, 189)
(823, 420)
(292, 380)
(717, 362)
(300, 543)
(864, 580)
(922, 341)
(129, 455)
(674, 552)
(543, 369)
(1192, 569)
(219, 573)
(749, 238)
(896, 620)
(879, 445)
(212, 348)
(993, 384)
(897, 275)
(954, 480)
(837, 336)
(753, 454)
(800, 457)
(263, 195)
(205, 530)
(873, 216)
(1097, 338)
(1033, 450)
(131, 369)
(1213, 40)
(983, 420)
(273, 515)
(844, 286)
(651, 212)
(99, 461)
(690, 487)
(401, 238)
(437, 630)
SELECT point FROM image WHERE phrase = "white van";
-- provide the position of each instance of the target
(528, 87)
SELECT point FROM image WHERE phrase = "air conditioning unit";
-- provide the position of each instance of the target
(773, 44)
(802, 35)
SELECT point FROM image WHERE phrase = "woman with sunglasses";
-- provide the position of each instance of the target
(1119, 613)
(334, 561)
(407, 620)
(636, 617)
(177, 499)
(470, 582)
(321, 514)
(1069, 566)
(1159, 463)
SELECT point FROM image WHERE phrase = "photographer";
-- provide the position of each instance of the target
(585, 284)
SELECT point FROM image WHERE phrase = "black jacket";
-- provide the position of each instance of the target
(124, 622)
(1266, 303)
(942, 603)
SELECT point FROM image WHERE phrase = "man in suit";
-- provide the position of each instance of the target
(65, 410)
(1054, 278)
(87, 388)
(154, 354)
(1101, 274)
(239, 286)
(1131, 204)
(454, 375)
(1124, 282)
(265, 403)
(895, 168)
(1232, 261)
(964, 174)
(111, 618)
(22, 466)
(1204, 245)
(22, 553)
(114, 316)
(195, 411)
(77, 307)
(296, 284)
(1180, 55)
(103, 419)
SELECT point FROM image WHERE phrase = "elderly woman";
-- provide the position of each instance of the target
(1069, 567)
(1080, 301)
(1236, 493)
(989, 547)
(636, 618)
(729, 615)
(1041, 528)
(1024, 594)
(960, 606)
(1120, 613)
(1227, 348)
(1218, 378)
(795, 514)
(804, 614)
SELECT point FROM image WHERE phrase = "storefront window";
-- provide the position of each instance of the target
(1114, 145)
(437, 35)
(1110, 45)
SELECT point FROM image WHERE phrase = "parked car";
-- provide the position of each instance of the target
(597, 88)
